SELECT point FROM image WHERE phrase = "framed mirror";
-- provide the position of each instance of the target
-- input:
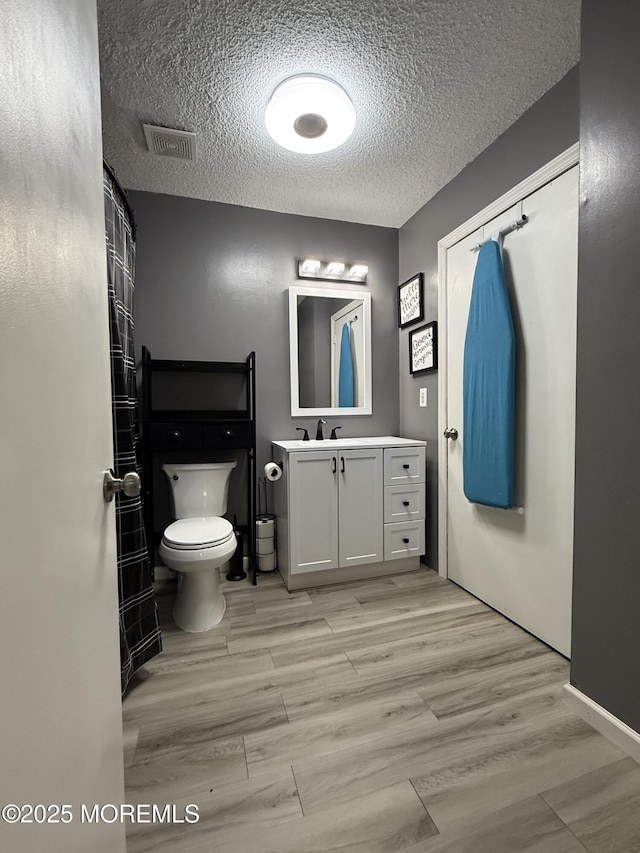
(330, 351)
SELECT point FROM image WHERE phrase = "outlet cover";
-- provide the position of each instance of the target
(423, 397)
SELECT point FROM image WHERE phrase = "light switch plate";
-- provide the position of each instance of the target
(423, 397)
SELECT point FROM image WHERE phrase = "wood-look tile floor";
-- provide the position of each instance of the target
(397, 714)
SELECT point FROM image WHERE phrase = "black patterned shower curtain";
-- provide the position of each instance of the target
(139, 630)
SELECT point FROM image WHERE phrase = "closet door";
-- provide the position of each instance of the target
(520, 561)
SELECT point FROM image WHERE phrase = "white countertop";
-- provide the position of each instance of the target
(295, 445)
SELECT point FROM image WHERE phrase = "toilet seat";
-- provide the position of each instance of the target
(194, 534)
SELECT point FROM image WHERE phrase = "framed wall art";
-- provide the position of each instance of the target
(423, 348)
(411, 301)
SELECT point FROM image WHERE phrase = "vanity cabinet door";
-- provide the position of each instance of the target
(313, 511)
(360, 506)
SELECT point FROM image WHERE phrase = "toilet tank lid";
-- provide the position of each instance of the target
(194, 532)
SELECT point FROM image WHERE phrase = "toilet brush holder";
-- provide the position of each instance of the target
(236, 571)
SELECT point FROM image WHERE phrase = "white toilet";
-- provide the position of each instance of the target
(199, 542)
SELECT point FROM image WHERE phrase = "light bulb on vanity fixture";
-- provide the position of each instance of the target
(310, 114)
(358, 271)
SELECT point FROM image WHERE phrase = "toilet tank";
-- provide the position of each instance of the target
(199, 489)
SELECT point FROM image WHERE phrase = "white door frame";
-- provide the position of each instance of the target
(562, 163)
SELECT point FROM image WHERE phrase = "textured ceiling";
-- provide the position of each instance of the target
(434, 82)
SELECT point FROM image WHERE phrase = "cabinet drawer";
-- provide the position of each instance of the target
(404, 503)
(226, 434)
(404, 465)
(175, 436)
(403, 539)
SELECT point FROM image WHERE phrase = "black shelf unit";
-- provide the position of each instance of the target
(192, 431)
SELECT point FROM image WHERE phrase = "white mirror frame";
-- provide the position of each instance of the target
(328, 293)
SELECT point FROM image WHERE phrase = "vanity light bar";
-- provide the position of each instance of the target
(332, 271)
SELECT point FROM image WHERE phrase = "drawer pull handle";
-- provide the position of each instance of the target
(176, 436)
(406, 467)
(405, 503)
(228, 433)
(406, 541)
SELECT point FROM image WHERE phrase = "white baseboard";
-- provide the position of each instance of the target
(611, 727)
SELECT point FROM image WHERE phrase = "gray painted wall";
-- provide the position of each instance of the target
(548, 128)
(606, 591)
(212, 284)
(307, 368)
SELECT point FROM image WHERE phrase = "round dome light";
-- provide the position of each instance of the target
(310, 114)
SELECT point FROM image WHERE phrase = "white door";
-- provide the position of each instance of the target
(313, 511)
(351, 314)
(521, 564)
(360, 507)
(61, 740)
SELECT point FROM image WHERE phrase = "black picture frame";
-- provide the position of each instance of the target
(423, 348)
(411, 301)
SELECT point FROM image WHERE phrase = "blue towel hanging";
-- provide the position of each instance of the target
(345, 380)
(489, 386)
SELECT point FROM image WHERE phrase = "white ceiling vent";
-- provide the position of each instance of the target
(168, 142)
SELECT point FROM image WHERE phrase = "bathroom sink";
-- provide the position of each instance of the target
(347, 443)
(337, 443)
(326, 444)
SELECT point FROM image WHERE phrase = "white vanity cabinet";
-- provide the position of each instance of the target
(349, 509)
(404, 502)
(336, 509)
(313, 494)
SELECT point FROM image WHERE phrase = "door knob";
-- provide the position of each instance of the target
(129, 484)
(451, 432)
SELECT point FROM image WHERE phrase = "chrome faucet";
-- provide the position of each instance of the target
(319, 435)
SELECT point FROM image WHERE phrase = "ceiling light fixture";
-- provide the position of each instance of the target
(310, 114)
